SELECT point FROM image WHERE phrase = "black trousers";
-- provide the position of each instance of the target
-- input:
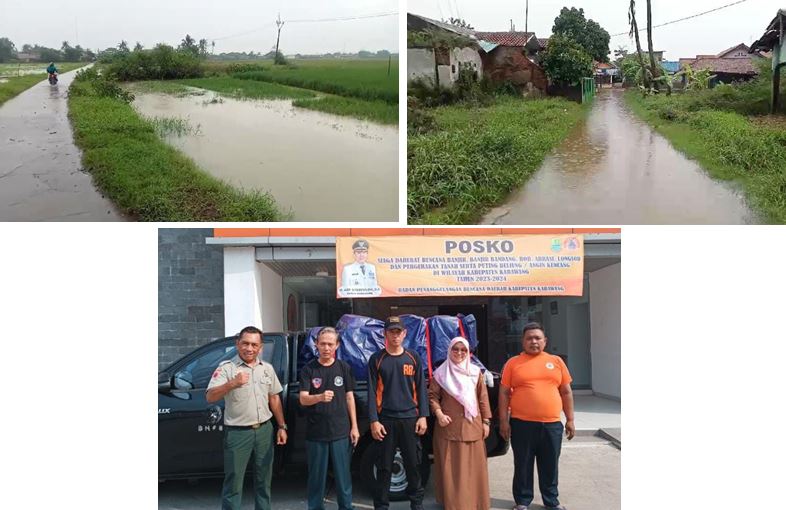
(531, 441)
(401, 434)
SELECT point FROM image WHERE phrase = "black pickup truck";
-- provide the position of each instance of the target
(190, 430)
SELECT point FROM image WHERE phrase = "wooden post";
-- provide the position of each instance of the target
(776, 82)
(389, 58)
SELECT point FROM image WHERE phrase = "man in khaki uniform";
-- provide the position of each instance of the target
(250, 389)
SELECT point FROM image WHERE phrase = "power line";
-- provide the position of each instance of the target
(686, 17)
(343, 19)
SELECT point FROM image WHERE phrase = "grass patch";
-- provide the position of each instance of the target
(146, 178)
(727, 144)
(475, 156)
(375, 111)
(18, 84)
(177, 126)
(248, 89)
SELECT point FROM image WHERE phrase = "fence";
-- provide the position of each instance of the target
(587, 89)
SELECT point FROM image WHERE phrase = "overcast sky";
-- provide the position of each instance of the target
(708, 34)
(103, 23)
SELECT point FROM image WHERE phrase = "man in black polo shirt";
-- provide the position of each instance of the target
(326, 391)
(397, 409)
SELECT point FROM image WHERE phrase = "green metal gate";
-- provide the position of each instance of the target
(587, 89)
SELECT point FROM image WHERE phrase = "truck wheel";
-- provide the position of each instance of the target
(398, 476)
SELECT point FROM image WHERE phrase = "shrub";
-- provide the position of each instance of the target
(161, 63)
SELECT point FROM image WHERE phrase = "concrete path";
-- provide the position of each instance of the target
(41, 176)
(589, 479)
(615, 169)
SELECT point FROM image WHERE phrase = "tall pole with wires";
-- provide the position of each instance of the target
(526, 17)
(279, 24)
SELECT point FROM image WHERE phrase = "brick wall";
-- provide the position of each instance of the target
(190, 292)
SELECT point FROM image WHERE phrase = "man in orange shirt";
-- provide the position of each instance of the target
(535, 388)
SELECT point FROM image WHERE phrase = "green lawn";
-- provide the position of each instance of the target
(476, 156)
(15, 85)
(749, 148)
(146, 178)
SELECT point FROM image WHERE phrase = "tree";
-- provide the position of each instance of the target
(593, 38)
(123, 47)
(7, 50)
(138, 46)
(634, 32)
(71, 54)
(565, 61)
(189, 44)
(655, 68)
(459, 22)
(203, 48)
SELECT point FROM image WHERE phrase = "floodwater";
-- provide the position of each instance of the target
(320, 167)
(41, 175)
(615, 170)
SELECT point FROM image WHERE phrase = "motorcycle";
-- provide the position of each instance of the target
(53, 78)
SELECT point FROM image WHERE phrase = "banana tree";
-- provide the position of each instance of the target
(696, 80)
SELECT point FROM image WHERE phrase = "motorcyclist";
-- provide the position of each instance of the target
(52, 70)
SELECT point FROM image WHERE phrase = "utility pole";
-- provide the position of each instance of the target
(279, 24)
(526, 16)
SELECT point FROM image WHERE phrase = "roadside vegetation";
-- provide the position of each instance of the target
(15, 79)
(464, 158)
(729, 131)
(146, 178)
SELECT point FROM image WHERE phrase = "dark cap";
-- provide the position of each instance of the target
(394, 322)
(360, 244)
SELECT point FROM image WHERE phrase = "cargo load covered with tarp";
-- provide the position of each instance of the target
(362, 336)
(442, 329)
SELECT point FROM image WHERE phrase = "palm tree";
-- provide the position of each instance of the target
(653, 66)
(634, 32)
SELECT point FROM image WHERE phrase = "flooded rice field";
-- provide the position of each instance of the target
(317, 166)
(614, 169)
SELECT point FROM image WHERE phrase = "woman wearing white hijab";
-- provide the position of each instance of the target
(460, 402)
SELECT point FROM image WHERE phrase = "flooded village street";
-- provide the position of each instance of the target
(41, 176)
(317, 166)
(615, 169)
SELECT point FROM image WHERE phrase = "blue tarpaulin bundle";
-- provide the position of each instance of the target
(362, 336)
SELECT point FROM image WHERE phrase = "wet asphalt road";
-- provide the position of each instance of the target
(615, 169)
(41, 176)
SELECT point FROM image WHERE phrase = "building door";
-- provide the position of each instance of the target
(481, 316)
(579, 345)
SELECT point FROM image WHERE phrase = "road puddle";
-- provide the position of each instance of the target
(614, 169)
(320, 167)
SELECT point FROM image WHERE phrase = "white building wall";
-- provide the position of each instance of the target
(420, 64)
(605, 330)
(242, 297)
(465, 56)
(271, 286)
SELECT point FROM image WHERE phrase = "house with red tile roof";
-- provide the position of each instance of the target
(731, 64)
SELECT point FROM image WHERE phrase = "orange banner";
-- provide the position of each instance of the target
(460, 265)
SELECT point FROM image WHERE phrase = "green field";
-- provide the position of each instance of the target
(12, 85)
(146, 178)
(363, 79)
(473, 157)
